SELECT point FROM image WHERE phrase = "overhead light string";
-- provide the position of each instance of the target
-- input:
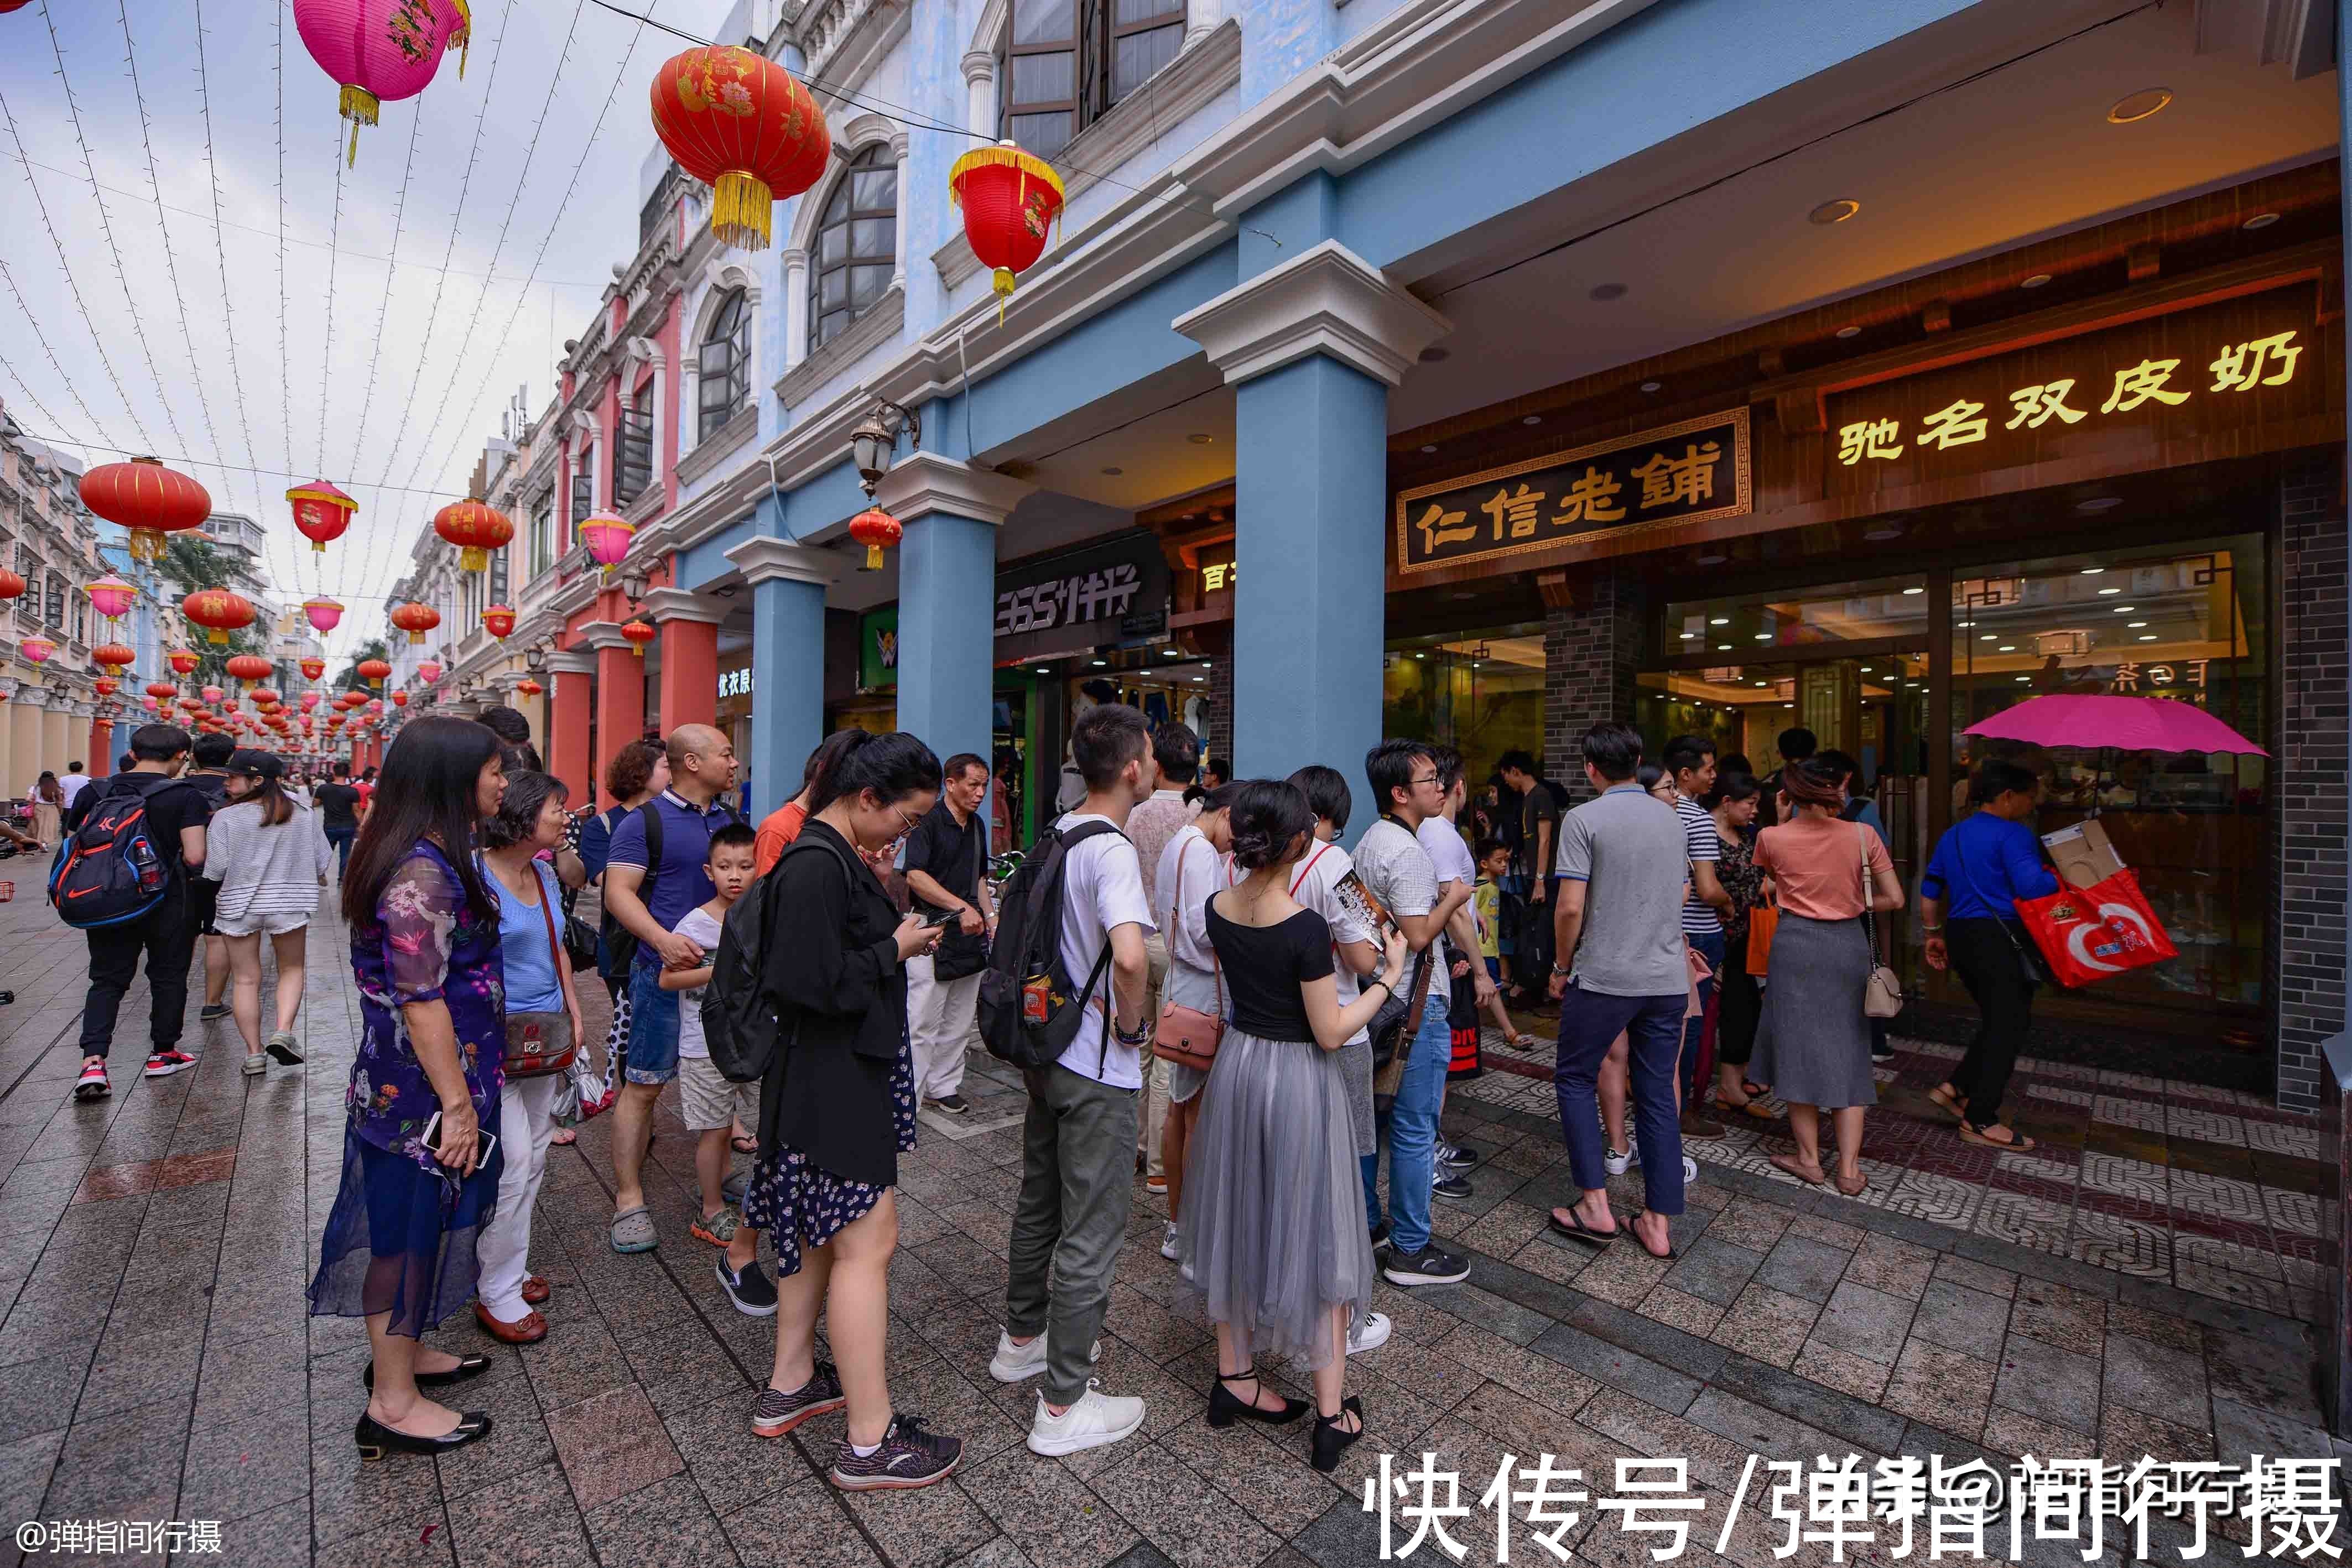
(55, 363)
(220, 253)
(17, 376)
(383, 310)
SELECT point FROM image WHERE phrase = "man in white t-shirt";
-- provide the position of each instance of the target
(1449, 856)
(1078, 1174)
(73, 784)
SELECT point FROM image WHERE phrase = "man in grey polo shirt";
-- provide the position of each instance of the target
(1620, 969)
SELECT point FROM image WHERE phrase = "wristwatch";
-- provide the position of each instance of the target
(1562, 972)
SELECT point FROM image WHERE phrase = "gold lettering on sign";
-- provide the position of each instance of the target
(1439, 527)
(2037, 404)
(1213, 577)
(1690, 477)
(2241, 368)
(1592, 497)
(1517, 510)
(2142, 382)
(1869, 438)
(1956, 426)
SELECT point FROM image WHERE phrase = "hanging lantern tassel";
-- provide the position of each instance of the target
(464, 36)
(360, 106)
(742, 212)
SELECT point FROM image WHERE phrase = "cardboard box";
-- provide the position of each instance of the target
(2081, 854)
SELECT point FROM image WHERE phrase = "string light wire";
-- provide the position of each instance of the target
(220, 253)
(55, 363)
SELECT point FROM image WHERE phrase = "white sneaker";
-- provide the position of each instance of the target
(1616, 1161)
(1168, 1243)
(1370, 1333)
(1095, 1420)
(256, 1065)
(1020, 1363)
(1690, 1170)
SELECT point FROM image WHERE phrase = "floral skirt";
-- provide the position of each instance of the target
(400, 1239)
(800, 1204)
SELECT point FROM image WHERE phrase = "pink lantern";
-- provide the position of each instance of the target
(607, 539)
(324, 615)
(430, 670)
(379, 51)
(150, 704)
(309, 701)
(36, 648)
(112, 597)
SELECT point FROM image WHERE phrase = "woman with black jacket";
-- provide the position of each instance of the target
(837, 1109)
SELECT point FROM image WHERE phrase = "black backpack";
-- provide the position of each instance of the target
(108, 869)
(739, 1022)
(621, 942)
(1029, 1011)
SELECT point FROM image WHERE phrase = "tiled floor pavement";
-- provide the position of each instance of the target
(155, 1361)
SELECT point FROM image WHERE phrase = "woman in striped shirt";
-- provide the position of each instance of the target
(272, 861)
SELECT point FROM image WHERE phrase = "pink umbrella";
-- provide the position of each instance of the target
(2126, 724)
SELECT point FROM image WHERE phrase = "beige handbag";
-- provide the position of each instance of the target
(1882, 994)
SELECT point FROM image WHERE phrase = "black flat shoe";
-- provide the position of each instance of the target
(1224, 1406)
(377, 1439)
(1330, 1441)
(468, 1366)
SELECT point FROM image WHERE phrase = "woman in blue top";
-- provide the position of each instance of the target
(399, 1244)
(1968, 903)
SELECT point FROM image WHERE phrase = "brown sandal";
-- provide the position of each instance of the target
(2016, 1143)
(1796, 1167)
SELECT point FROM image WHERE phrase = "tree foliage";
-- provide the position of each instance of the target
(189, 564)
(350, 680)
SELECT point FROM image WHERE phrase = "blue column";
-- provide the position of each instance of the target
(788, 583)
(947, 630)
(1310, 478)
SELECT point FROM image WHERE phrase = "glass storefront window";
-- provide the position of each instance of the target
(2180, 624)
(1871, 611)
(1479, 692)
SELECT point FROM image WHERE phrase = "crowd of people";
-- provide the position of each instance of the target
(1205, 993)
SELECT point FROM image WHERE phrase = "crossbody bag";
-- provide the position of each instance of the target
(1188, 1036)
(2028, 962)
(1882, 994)
(539, 1043)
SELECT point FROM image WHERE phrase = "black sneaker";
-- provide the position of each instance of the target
(1881, 1052)
(1380, 1235)
(1453, 1156)
(165, 1063)
(778, 1413)
(1453, 1186)
(1426, 1267)
(907, 1457)
(93, 1085)
(213, 1011)
(953, 1105)
(751, 1291)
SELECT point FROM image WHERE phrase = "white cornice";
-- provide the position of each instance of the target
(877, 324)
(569, 663)
(662, 604)
(1327, 300)
(922, 483)
(708, 453)
(764, 558)
(602, 634)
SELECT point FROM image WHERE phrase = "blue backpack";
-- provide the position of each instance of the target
(108, 870)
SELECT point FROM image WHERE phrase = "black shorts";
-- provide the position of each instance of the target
(203, 900)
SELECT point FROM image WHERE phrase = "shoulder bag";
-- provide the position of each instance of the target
(1882, 994)
(1188, 1036)
(2029, 962)
(957, 954)
(542, 1043)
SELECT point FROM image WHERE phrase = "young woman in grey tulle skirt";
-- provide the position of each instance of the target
(1272, 1240)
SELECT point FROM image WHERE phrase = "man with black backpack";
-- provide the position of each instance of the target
(657, 871)
(122, 875)
(1077, 984)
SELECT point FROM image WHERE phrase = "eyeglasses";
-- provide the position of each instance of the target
(906, 827)
(1419, 782)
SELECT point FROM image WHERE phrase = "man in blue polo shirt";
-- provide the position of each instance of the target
(651, 882)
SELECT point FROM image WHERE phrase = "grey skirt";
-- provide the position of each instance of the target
(1272, 1237)
(1812, 1044)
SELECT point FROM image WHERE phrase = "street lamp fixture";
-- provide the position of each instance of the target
(534, 658)
(875, 440)
(633, 583)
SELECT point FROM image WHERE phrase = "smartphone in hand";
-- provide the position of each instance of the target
(486, 1141)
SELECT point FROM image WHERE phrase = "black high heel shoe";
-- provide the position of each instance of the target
(468, 1366)
(1330, 1441)
(1224, 1406)
(377, 1439)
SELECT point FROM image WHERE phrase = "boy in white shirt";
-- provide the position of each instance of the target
(706, 1100)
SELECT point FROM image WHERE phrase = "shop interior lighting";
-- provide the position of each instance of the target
(2099, 504)
(2260, 221)
(2135, 623)
(1651, 386)
(1605, 292)
(2135, 107)
(1723, 647)
(1532, 419)
(1690, 636)
(2022, 679)
(1719, 621)
(1989, 637)
(1849, 331)
(1880, 536)
(2125, 609)
(2036, 281)
(1113, 472)
(1102, 663)
(1171, 652)
(2093, 570)
(1909, 592)
(2009, 647)
(1834, 212)
(1200, 438)
(2105, 592)
(1428, 449)
(2147, 637)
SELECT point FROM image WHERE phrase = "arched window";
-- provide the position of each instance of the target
(857, 244)
(1066, 62)
(725, 364)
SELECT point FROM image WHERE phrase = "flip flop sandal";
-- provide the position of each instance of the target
(1948, 1100)
(1756, 1090)
(1796, 1167)
(1575, 1229)
(2016, 1143)
(633, 1231)
(563, 1135)
(1668, 1256)
(744, 1146)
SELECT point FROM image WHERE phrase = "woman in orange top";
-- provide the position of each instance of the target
(1813, 1043)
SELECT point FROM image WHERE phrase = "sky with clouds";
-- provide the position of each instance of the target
(379, 344)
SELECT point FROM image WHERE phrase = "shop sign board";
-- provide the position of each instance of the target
(1677, 474)
(1109, 593)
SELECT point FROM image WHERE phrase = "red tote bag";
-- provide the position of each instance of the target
(2090, 933)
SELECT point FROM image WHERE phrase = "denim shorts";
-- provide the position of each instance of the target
(652, 1026)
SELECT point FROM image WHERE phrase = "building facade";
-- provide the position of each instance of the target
(54, 714)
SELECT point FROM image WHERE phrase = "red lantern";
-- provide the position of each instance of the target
(249, 668)
(372, 671)
(219, 610)
(106, 685)
(498, 621)
(744, 126)
(1009, 200)
(149, 499)
(476, 529)
(321, 513)
(264, 697)
(877, 531)
(415, 619)
(181, 660)
(529, 688)
(639, 634)
(162, 691)
(400, 699)
(11, 585)
(312, 669)
(114, 657)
